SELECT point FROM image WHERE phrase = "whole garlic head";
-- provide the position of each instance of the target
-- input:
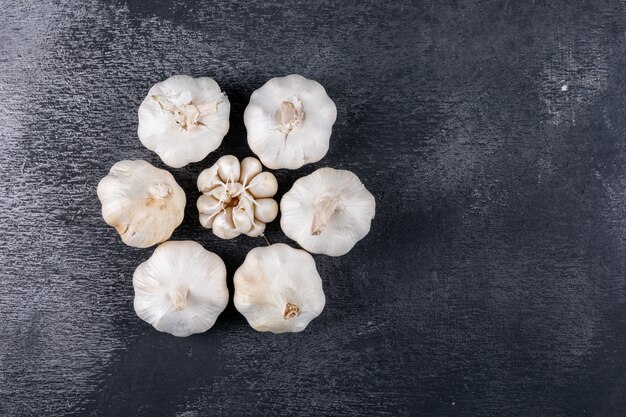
(327, 211)
(181, 289)
(278, 289)
(289, 122)
(236, 197)
(183, 119)
(142, 202)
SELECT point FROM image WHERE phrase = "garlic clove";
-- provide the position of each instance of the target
(263, 185)
(242, 220)
(250, 167)
(223, 225)
(208, 205)
(247, 202)
(181, 289)
(278, 289)
(266, 209)
(143, 203)
(206, 220)
(209, 179)
(258, 227)
(327, 211)
(289, 122)
(228, 168)
(183, 119)
(221, 193)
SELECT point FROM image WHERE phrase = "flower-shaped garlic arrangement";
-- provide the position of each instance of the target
(278, 289)
(236, 197)
(142, 202)
(327, 211)
(183, 119)
(289, 122)
(181, 289)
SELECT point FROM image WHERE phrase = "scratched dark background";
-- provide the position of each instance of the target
(492, 134)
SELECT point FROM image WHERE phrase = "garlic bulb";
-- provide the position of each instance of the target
(183, 119)
(289, 121)
(142, 202)
(181, 289)
(327, 211)
(236, 198)
(278, 289)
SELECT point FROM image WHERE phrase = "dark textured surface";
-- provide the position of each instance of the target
(491, 133)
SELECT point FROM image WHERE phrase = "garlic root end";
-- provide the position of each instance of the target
(291, 311)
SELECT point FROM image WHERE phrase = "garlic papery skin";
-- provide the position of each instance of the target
(237, 197)
(278, 289)
(183, 119)
(142, 202)
(289, 122)
(181, 289)
(327, 211)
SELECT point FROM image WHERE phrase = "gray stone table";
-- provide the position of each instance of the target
(492, 134)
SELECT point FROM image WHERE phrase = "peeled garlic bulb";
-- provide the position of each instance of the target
(278, 289)
(181, 289)
(142, 202)
(289, 121)
(327, 211)
(183, 119)
(236, 197)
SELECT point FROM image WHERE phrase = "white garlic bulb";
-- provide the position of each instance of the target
(278, 289)
(142, 202)
(327, 211)
(289, 122)
(236, 198)
(183, 119)
(181, 289)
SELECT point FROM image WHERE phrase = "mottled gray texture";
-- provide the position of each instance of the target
(491, 133)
